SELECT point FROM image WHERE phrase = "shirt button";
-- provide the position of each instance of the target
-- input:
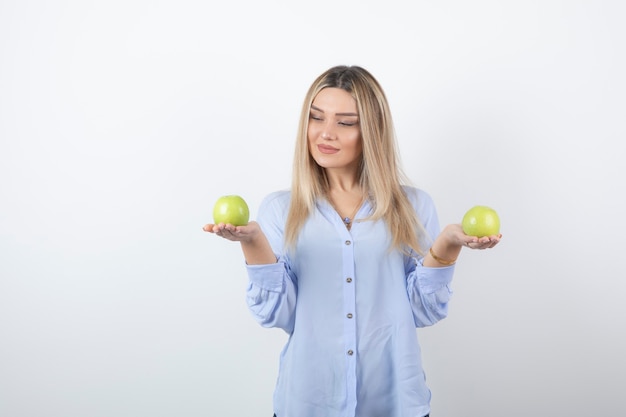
(349, 315)
(348, 279)
(350, 352)
(348, 242)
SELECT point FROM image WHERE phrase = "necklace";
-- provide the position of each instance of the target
(347, 221)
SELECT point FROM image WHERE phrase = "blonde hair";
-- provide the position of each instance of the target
(380, 176)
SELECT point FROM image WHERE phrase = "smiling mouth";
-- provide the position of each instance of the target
(327, 149)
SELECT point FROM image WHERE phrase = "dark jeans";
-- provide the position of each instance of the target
(427, 415)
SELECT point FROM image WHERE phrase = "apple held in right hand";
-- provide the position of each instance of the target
(231, 209)
(481, 221)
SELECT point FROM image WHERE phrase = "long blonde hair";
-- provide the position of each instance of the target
(380, 176)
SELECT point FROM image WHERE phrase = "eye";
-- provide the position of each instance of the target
(348, 124)
(315, 117)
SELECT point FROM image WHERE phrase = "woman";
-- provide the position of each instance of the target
(349, 261)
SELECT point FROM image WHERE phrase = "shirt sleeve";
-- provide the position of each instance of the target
(429, 293)
(271, 291)
(428, 287)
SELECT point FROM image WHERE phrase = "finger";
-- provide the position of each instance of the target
(230, 229)
(219, 229)
(471, 243)
(478, 245)
(231, 232)
(491, 244)
(494, 243)
(495, 240)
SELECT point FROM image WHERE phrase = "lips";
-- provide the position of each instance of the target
(327, 149)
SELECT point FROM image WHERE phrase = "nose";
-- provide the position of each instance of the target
(328, 133)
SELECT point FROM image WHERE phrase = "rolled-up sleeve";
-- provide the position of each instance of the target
(271, 291)
(429, 293)
(271, 295)
(428, 288)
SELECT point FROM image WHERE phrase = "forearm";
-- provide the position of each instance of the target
(444, 251)
(257, 251)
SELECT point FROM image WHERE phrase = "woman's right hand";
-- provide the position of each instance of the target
(245, 233)
(254, 243)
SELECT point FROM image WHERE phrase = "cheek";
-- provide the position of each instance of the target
(357, 143)
(312, 132)
(310, 138)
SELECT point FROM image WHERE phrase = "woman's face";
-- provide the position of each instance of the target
(334, 133)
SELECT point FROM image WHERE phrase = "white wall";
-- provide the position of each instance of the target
(121, 122)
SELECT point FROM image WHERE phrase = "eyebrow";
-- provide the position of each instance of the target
(336, 114)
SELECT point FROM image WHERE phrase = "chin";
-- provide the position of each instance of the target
(326, 162)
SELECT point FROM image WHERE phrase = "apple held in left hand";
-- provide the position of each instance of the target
(481, 228)
(481, 221)
(231, 209)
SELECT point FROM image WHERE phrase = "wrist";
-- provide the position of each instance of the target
(440, 260)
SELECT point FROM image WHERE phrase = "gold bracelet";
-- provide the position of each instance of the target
(441, 261)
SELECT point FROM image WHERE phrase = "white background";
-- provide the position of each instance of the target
(121, 122)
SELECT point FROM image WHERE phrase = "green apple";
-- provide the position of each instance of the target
(481, 221)
(231, 209)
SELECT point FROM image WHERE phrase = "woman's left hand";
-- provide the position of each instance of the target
(449, 243)
(455, 233)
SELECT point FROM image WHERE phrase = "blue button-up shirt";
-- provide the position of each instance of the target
(350, 306)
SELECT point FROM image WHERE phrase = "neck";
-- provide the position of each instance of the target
(343, 181)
